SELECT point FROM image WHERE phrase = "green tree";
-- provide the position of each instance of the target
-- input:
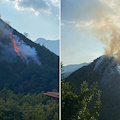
(84, 106)
(62, 72)
(27, 107)
(26, 34)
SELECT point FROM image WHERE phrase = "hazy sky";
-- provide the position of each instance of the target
(88, 27)
(38, 18)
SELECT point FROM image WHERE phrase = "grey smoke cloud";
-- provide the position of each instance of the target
(109, 68)
(7, 52)
(12, 47)
(4, 31)
(26, 53)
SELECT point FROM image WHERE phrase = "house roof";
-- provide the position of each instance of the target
(52, 94)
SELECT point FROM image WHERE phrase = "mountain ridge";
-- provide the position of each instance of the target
(68, 69)
(52, 45)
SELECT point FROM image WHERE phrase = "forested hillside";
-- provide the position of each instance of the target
(25, 66)
(106, 72)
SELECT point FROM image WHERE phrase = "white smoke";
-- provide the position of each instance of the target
(29, 53)
(26, 52)
(108, 67)
(11, 44)
(4, 30)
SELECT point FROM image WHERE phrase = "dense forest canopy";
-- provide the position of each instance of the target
(27, 107)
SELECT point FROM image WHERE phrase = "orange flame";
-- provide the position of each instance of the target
(17, 50)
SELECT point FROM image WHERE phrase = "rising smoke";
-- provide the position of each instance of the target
(106, 28)
(108, 32)
(11, 45)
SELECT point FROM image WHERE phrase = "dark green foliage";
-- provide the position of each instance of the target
(62, 72)
(84, 106)
(27, 107)
(27, 79)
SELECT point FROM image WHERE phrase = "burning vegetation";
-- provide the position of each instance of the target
(14, 43)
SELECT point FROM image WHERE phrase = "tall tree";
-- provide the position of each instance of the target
(84, 106)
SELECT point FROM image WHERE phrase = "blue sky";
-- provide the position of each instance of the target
(90, 28)
(38, 18)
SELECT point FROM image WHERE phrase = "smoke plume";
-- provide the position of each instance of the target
(105, 28)
(12, 47)
(107, 31)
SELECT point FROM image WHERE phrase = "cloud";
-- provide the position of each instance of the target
(37, 6)
(55, 3)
